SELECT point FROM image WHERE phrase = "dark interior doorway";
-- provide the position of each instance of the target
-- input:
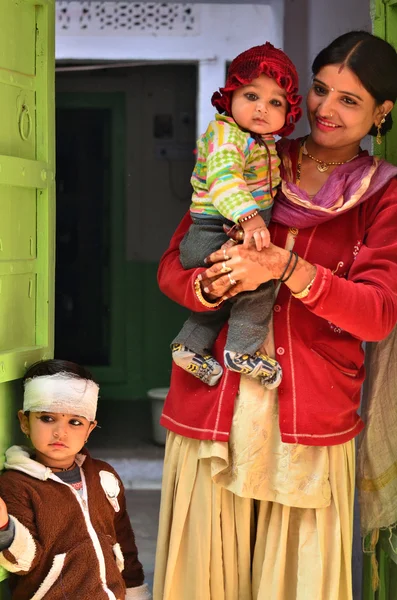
(125, 141)
(82, 249)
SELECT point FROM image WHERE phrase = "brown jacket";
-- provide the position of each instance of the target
(67, 545)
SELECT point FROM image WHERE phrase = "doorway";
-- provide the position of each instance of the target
(125, 151)
(89, 235)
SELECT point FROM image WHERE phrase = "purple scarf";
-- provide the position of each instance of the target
(348, 186)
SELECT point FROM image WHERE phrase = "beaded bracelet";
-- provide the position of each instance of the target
(200, 297)
(248, 217)
(293, 267)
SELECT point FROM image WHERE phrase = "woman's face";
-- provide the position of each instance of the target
(340, 110)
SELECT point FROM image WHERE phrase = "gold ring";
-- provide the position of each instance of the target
(225, 256)
(225, 268)
(232, 281)
(240, 235)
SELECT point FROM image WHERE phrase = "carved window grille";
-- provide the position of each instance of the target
(126, 18)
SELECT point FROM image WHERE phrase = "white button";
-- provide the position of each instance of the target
(277, 308)
(280, 351)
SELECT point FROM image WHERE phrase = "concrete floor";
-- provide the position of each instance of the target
(143, 507)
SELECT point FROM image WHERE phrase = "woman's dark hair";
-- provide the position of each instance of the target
(54, 366)
(372, 60)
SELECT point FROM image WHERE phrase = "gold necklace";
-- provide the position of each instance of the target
(299, 165)
(322, 165)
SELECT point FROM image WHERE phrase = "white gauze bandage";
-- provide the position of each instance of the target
(61, 393)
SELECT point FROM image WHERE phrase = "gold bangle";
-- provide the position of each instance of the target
(199, 294)
(304, 292)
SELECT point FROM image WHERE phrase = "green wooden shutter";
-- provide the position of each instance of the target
(385, 26)
(27, 196)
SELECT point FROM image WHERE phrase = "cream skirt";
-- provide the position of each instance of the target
(255, 519)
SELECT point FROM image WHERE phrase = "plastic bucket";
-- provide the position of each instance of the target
(157, 397)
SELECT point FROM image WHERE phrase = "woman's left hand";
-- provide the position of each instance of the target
(246, 268)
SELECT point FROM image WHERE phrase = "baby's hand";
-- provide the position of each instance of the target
(257, 230)
(3, 514)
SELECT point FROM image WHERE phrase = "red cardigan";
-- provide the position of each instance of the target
(318, 339)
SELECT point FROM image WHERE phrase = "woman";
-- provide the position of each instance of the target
(257, 500)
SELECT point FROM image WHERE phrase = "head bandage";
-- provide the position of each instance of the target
(61, 393)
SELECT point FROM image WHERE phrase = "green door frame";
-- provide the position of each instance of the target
(115, 102)
(385, 26)
(36, 127)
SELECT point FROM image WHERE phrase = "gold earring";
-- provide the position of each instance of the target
(379, 135)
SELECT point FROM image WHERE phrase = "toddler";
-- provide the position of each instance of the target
(65, 531)
(234, 182)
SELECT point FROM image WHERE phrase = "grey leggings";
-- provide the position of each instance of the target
(248, 313)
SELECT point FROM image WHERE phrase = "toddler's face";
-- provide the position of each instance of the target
(57, 438)
(261, 106)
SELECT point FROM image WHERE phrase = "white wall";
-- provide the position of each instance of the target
(302, 27)
(327, 20)
(224, 32)
(310, 25)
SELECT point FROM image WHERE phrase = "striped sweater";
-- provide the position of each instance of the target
(231, 175)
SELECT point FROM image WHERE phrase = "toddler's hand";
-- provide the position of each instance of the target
(256, 229)
(3, 514)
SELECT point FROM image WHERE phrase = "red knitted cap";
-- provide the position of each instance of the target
(270, 61)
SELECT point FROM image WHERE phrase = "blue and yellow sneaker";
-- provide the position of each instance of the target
(206, 367)
(257, 365)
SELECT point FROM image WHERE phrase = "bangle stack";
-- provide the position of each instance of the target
(248, 217)
(200, 297)
(292, 255)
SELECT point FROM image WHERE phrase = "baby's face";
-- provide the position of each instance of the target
(57, 438)
(261, 106)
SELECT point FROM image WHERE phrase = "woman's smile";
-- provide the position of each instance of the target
(325, 125)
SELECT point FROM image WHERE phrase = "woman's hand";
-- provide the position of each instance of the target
(238, 269)
(3, 514)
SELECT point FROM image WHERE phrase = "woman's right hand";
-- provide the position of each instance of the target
(247, 269)
(3, 514)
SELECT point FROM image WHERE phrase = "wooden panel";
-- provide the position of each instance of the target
(17, 107)
(17, 304)
(22, 172)
(385, 26)
(27, 57)
(17, 39)
(17, 224)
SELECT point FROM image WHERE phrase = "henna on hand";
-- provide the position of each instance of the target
(250, 268)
